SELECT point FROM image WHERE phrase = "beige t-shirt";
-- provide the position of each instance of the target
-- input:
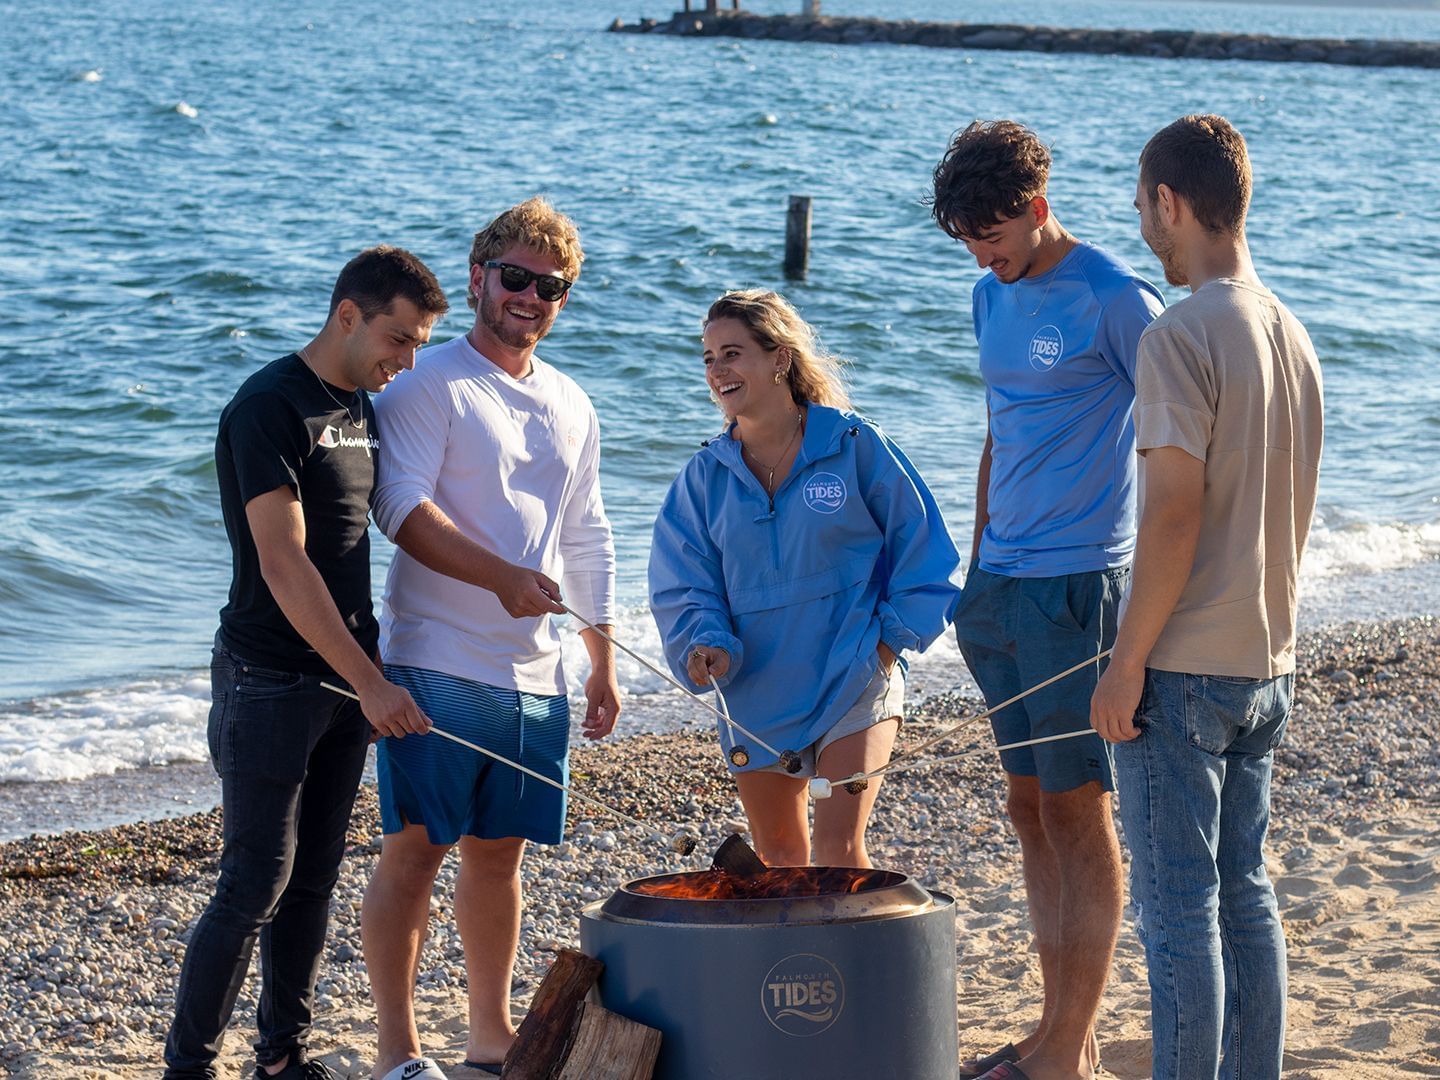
(1229, 376)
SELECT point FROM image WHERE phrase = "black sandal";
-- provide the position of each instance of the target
(1006, 1055)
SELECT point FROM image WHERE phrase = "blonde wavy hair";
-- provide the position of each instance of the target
(815, 375)
(533, 224)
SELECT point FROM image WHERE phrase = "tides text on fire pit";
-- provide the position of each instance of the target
(807, 971)
(805, 994)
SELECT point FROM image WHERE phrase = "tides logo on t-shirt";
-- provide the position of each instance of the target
(1046, 347)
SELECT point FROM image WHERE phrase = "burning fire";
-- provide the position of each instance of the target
(776, 883)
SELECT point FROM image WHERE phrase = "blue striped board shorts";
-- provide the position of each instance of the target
(454, 791)
(1014, 633)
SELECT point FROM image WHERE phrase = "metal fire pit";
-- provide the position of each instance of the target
(830, 985)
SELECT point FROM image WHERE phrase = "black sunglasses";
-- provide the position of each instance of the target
(548, 287)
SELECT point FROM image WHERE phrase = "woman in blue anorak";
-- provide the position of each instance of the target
(797, 558)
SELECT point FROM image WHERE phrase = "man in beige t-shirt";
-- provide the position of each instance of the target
(1229, 424)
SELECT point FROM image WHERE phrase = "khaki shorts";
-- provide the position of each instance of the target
(883, 699)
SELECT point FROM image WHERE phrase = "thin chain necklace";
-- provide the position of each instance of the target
(359, 425)
(1050, 280)
(770, 469)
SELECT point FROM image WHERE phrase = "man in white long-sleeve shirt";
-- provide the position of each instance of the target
(491, 489)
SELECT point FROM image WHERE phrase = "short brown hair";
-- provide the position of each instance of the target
(989, 174)
(374, 278)
(813, 374)
(533, 224)
(1203, 160)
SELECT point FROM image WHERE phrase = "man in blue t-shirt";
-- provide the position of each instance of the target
(1057, 322)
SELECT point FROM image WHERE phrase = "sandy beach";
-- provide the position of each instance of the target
(92, 925)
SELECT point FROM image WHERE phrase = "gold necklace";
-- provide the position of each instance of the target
(770, 469)
(358, 425)
(1051, 281)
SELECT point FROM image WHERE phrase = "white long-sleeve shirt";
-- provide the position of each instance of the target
(515, 464)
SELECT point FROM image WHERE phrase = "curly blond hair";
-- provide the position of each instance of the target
(815, 375)
(533, 224)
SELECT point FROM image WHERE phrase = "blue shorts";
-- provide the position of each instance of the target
(454, 791)
(1015, 632)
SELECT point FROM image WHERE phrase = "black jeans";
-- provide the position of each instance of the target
(289, 754)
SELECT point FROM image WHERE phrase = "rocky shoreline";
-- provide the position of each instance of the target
(93, 924)
(1160, 44)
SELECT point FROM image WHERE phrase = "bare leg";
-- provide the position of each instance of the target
(1086, 922)
(487, 909)
(392, 929)
(775, 805)
(1042, 891)
(840, 820)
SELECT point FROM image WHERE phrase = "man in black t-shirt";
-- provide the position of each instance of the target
(296, 457)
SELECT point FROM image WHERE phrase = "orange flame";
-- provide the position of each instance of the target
(778, 882)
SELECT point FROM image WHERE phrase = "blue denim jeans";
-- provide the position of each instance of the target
(1194, 791)
(289, 754)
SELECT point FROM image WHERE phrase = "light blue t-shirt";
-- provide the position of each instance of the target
(1060, 384)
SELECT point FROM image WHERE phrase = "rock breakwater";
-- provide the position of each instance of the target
(1161, 44)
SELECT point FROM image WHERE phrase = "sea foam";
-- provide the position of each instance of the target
(1363, 547)
(1352, 571)
(97, 732)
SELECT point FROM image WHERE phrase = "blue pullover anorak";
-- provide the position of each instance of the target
(800, 588)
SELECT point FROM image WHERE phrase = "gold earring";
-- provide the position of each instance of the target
(778, 375)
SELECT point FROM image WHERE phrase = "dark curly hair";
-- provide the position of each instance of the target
(989, 174)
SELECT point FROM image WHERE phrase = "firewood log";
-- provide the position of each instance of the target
(544, 1035)
(736, 857)
(606, 1046)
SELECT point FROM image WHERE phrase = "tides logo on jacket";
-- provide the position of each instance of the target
(824, 492)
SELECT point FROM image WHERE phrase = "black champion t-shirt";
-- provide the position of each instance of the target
(285, 427)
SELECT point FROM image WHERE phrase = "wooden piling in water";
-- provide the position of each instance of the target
(797, 237)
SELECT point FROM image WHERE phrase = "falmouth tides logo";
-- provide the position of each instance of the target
(1046, 347)
(825, 492)
(802, 995)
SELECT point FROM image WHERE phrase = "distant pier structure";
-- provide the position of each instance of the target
(712, 7)
(810, 25)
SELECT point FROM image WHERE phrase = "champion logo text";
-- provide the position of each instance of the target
(332, 438)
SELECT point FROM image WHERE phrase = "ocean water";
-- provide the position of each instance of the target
(179, 186)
